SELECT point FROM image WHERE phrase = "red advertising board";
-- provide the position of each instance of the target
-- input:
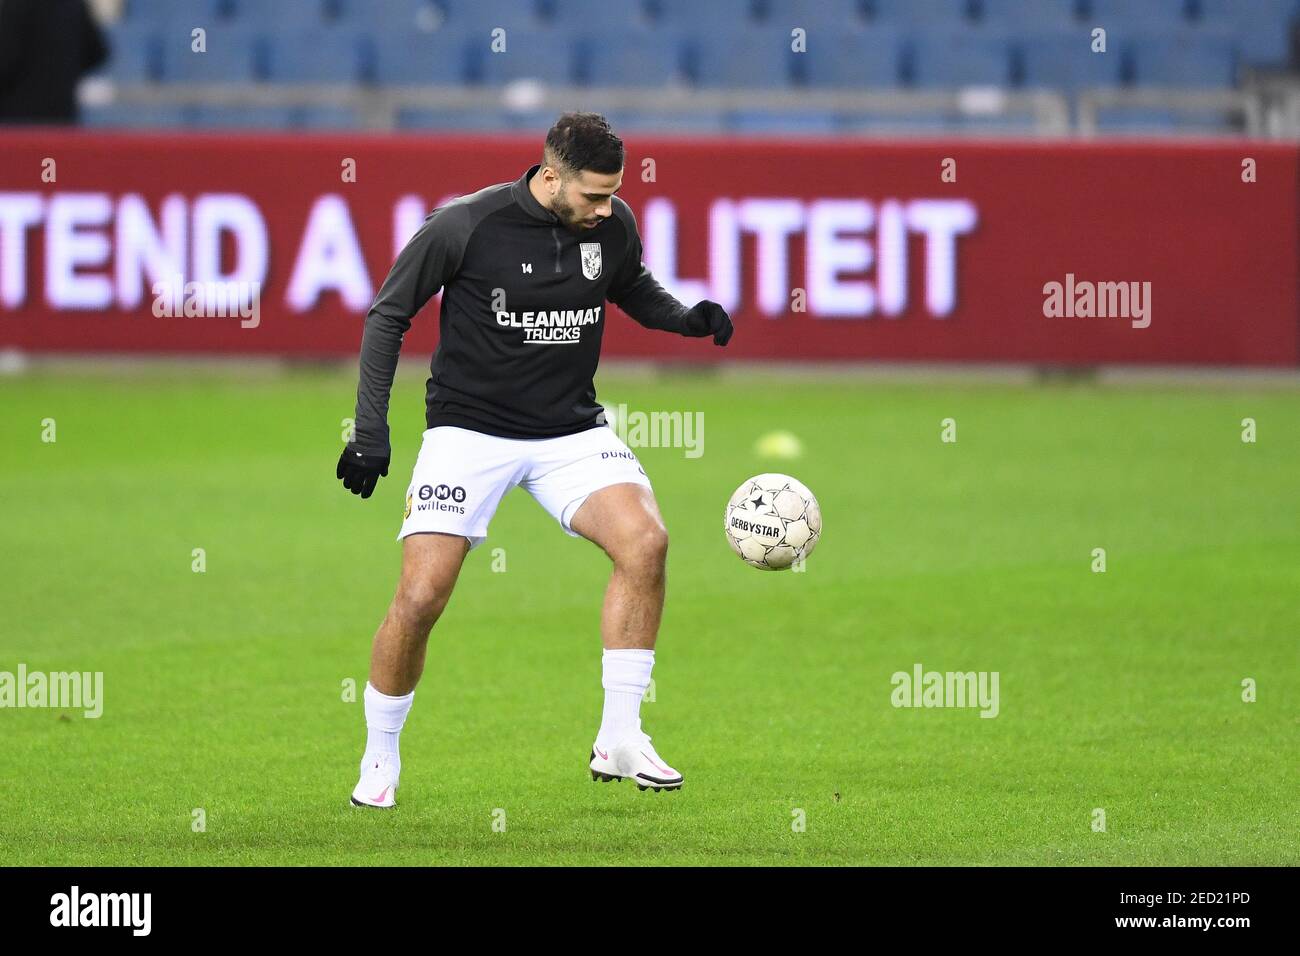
(1070, 253)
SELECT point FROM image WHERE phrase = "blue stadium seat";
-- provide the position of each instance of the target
(935, 13)
(277, 14)
(484, 121)
(840, 15)
(704, 16)
(877, 124)
(807, 122)
(416, 59)
(315, 56)
(232, 55)
(327, 117)
(135, 116)
(1022, 124)
(958, 58)
(389, 16)
(531, 121)
(1187, 58)
(893, 124)
(1021, 15)
(1147, 121)
(1137, 15)
(1261, 28)
(487, 15)
(142, 12)
(753, 57)
(694, 123)
(242, 117)
(868, 60)
(545, 55)
(479, 120)
(607, 15)
(163, 12)
(135, 54)
(630, 58)
(1065, 60)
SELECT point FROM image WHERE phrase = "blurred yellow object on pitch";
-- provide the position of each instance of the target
(779, 445)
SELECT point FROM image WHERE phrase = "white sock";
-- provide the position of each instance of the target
(625, 675)
(384, 719)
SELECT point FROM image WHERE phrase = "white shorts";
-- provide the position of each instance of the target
(461, 476)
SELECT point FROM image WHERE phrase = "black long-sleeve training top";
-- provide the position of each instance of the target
(523, 308)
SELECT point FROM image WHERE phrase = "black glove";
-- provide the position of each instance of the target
(709, 318)
(360, 473)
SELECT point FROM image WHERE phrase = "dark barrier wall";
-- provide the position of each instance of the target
(1070, 253)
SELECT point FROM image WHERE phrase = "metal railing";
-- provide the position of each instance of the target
(1270, 110)
(1244, 108)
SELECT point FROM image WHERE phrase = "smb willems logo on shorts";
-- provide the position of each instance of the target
(656, 429)
(74, 690)
(436, 498)
(923, 688)
(103, 909)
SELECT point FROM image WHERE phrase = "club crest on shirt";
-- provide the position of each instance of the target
(590, 259)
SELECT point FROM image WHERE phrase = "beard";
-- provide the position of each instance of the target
(568, 218)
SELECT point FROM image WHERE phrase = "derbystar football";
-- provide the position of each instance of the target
(773, 521)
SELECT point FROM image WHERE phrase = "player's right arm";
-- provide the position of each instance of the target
(425, 265)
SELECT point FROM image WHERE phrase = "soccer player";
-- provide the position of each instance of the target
(525, 268)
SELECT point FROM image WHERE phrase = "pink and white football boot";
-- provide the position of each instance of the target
(633, 758)
(378, 784)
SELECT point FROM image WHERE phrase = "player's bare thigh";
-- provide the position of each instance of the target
(431, 562)
(624, 520)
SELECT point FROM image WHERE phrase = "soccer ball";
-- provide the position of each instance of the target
(773, 521)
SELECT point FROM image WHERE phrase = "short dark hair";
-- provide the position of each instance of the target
(581, 141)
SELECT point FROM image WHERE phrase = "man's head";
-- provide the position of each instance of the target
(582, 167)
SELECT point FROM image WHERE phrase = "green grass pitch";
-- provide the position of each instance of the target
(223, 689)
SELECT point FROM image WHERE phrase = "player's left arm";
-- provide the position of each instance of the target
(13, 51)
(94, 51)
(637, 292)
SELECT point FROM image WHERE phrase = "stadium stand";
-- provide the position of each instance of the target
(807, 66)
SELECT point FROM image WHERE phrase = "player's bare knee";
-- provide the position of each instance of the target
(419, 606)
(643, 549)
(656, 543)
